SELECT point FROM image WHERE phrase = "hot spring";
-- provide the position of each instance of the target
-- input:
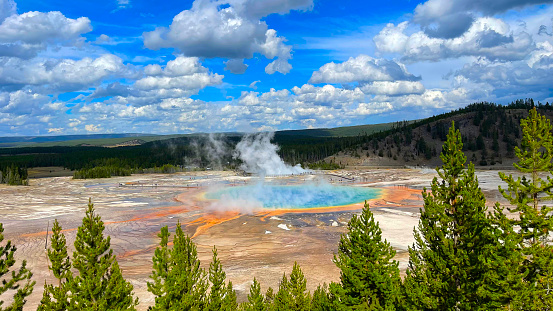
(292, 197)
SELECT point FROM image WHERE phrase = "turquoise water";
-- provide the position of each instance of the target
(296, 196)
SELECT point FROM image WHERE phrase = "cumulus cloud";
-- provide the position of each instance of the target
(236, 66)
(451, 18)
(362, 68)
(521, 79)
(59, 74)
(22, 102)
(393, 88)
(30, 32)
(7, 8)
(255, 9)
(184, 75)
(92, 128)
(212, 30)
(327, 95)
(487, 37)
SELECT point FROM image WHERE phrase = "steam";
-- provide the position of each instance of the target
(213, 148)
(260, 156)
(216, 149)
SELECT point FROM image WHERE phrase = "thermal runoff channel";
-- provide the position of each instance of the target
(264, 195)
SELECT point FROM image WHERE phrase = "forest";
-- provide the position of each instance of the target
(490, 132)
(466, 256)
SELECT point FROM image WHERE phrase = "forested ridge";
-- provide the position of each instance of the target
(490, 132)
(466, 256)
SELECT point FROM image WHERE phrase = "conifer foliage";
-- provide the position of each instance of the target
(369, 277)
(56, 297)
(179, 283)
(12, 279)
(255, 298)
(457, 242)
(99, 284)
(527, 195)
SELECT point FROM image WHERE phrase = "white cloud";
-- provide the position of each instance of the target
(104, 39)
(362, 68)
(30, 32)
(257, 9)
(22, 102)
(210, 31)
(92, 128)
(60, 74)
(184, 75)
(253, 85)
(327, 95)
(7, 8)
(487, 37)
(451, 18)
(365, 109)
(393, 88)
(57, 130)
(123, 4)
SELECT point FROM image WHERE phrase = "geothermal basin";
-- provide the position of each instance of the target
(255, 234)
(304, 196)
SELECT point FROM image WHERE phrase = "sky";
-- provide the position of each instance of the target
(140, 66)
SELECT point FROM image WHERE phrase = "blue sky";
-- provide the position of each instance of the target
(250, 65)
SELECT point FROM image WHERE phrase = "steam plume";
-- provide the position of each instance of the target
(260, 156)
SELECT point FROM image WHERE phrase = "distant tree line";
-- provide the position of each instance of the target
(13, 175)
(466, 256)
(490, 134)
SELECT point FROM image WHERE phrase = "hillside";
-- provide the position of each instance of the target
(132, 139)
(490, 132)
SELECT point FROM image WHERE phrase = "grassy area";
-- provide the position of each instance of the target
(93, 141)
(50, 171)
(67, 141)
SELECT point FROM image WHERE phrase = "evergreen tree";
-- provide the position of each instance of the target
(457, 243)
(369, 277)
(100, 284)
(269, 297)
(283, 298)
(11, 278)
(526, 194)
(321, 299)
(57, 297)
(217, 278)
(160, 264)
(229, 301)
(179, 281)
(297, 287)
(255, 298)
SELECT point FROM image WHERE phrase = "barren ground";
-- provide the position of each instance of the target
(250, 245)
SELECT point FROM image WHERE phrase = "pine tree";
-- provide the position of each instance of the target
(297, 287)
(160, 267)
(11, 278)
(457, 243)
(179, 281)
(526, 194)
(283, 298)
(217, 278)
(269, 297)
(60, 265)
(255, 298)
(100, 284)
(369, 277)
(229, 301)
(321, 299)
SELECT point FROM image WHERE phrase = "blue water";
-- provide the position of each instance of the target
(296, 196)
